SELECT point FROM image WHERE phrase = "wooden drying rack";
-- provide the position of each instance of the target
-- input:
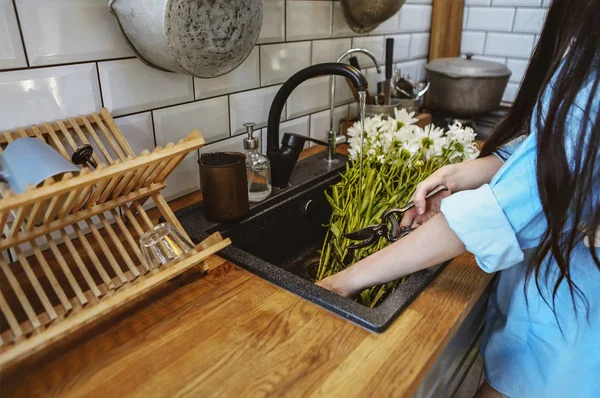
(69, 250)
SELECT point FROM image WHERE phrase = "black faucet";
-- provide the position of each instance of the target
(284, 159)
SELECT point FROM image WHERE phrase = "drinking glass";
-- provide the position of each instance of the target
(163, 243)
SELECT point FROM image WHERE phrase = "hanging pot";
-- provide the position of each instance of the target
(363, 16)
(203, 38)
(465, 87)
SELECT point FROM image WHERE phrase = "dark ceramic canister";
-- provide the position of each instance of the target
(224, 185)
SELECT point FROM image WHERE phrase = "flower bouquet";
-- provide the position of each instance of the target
(396, 155)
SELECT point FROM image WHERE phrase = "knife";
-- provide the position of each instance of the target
(389, 59)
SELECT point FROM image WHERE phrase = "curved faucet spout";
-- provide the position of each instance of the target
(284, 159)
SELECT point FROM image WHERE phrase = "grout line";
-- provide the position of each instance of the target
(99, 84)
(194, 87)
(229, 115)
(512, 29)
(285, 21)
(153, 128)
(89, 61)
(21, 33)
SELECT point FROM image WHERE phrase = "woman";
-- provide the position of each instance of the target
(528, 207)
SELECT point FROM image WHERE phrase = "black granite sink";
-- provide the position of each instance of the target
(280, 239)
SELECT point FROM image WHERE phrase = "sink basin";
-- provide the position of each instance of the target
(280, 239)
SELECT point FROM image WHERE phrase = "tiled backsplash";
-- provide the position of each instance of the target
(504, 31)
(67, 57)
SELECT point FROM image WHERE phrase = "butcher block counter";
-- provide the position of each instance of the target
(231, 334)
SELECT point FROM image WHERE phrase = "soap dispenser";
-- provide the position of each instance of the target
(258, 168)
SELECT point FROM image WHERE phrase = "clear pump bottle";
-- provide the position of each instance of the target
(258, 168)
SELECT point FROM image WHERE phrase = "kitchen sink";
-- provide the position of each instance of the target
(280, 239)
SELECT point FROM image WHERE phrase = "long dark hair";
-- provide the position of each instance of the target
(565, 185)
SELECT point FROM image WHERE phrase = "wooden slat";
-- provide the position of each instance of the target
(67, 136)
(117, 242)
(18, 222)
(35, 283)
(37, 132)
(93, 257)
(116, 132)
(99, 188)
(166, 211)
(80, 264)
(109, 189)
(66, 271)
(136, 226)
(133, 245)
(140, 210)
(56, 141)
(99, 143)
(10, 318)
(146, 174)
(173, 163)
(22, 132)
(107, 253)
(109, 137)
(23, 300)
(58, 290)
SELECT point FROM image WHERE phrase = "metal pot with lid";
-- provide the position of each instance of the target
(465, 87)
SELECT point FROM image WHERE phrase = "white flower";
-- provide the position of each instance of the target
(404, 117)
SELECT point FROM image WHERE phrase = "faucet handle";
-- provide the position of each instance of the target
(297, 141)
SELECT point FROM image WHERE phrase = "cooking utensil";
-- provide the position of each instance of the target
(422, 89)
(404, 86)
(363, 16)
(389, 228)
(203, 38)
(411, 105)
(389, 59)
(465, 87)
(83, 154)
(224, 185)
(162, 244)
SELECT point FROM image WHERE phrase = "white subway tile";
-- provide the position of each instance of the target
(129, 86)
(39, 95)
(419, 1)
(280, 61)
(529, 20)
(11, 48)
(518, 67)
(340, 27)
(421, 72)
(472, 42)
(329, 50)
(490, 19)
(511, 92)
(520, 3)
(310, 96)
(373, 78)
(319, 122)
(509, 45)
(343, 92)
(308, 20)
(234, 144)
(70, 31)
(465, 17)
(374, 44)
(390, 25)
(414, 18)
(210, 116)
(419, 46)
(477, 2)
(500, 60)
(401, 46)
(244, 77)
(273, 24)
(297, 126)
(411, 68)
(186, 176)
(251, 106)
(138, 131)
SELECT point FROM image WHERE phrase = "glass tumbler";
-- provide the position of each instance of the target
(163, 243)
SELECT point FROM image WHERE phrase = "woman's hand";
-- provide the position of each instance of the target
(339, 283)
(455, 177)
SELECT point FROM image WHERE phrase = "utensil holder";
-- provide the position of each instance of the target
(69, 251)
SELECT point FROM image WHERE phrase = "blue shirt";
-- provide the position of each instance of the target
(525, 351)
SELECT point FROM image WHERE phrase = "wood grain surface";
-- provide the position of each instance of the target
(446, 28)
(230, 334)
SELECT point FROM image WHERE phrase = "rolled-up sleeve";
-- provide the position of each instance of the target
(480, 223)
(506, 150)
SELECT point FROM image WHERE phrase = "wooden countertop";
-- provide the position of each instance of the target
(230, 333)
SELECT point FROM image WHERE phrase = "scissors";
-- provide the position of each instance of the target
(389, 228)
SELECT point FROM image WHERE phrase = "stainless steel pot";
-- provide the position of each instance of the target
(203, 38)
(363, 16)
(411, 105)
(466, 87)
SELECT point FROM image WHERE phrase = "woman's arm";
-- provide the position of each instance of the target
(431, 244)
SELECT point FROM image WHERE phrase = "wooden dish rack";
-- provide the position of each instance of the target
(69, 250)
